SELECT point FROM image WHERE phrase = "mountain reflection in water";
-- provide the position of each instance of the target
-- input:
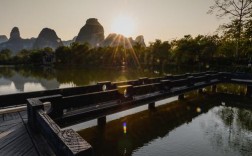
(199, 126)
(24, 79)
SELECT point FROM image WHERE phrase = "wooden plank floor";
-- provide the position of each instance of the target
(15, 138)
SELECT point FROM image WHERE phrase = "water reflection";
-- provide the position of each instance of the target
(141, 128)
(232, 89)
(23, 79)
(191, 127)
(230, 129)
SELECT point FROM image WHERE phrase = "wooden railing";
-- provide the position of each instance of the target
(63, 142)
(74, 105)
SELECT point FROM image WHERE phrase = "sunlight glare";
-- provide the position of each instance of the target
(123, 25)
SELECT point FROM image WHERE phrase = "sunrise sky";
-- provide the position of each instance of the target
(155, 19)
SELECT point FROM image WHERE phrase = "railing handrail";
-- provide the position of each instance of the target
(132, 94)
(20, 98)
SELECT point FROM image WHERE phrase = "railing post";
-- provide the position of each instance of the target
(126, 92)
(214, 88)
(105, 85)
(101, 121)
(63, 142)
(169, 77)
(143, 80)
(249, 91)
(208, 78)
(33, 105)
(166, 85)
(200, 91)
(188, 74)
(181, 96)
(57, 106)
(225, 76)
(190, 81)
(151, 105)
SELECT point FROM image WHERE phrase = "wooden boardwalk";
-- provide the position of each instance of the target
(73, 105)
(15, 138)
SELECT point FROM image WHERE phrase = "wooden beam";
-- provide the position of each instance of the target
(101, 122)
(13, 109)
(249, 91)
(200, 91)
(181, 96)
(151, 105)
(214, 88)
(64, 142)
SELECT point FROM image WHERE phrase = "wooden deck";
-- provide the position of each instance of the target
(74, 105)
(16, 139)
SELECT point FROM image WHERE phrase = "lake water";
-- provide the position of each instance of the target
(14, 80)
(195, 126)
(200, 125)
(24, 79)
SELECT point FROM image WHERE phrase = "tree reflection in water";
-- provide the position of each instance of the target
(142, 127)
(230, 128)
(222, 129)
(58, 77)
(227, 129)
(74, 76)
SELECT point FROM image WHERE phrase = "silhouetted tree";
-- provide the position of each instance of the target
(160, 51)
(5, 56)
(63, 55)
(186, 50)
(23, 57)
(239, 11)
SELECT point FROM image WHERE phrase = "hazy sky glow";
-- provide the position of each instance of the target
(155, 19)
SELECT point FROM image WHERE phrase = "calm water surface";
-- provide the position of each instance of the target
(24, 79)
(199, 126)
(14, 80)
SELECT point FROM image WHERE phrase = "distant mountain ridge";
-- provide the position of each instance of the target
(92, 32)
(3, 38)
(69, 42)
(47, 38)
(114, 40)
(16, 43)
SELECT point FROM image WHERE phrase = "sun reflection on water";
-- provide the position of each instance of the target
(125, 128)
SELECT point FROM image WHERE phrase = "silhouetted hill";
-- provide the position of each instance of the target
(3, 38)
(92, 32)
(140, 39)
(47, 38)
(16, 43)
(115, 40)
(68, 42)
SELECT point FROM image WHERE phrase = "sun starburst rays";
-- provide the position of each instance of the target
(124, 25)
(123, 50)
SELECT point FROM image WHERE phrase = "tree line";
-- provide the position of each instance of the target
(231, 46)
(202, 50)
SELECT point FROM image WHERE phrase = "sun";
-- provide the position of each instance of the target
(123, 25)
